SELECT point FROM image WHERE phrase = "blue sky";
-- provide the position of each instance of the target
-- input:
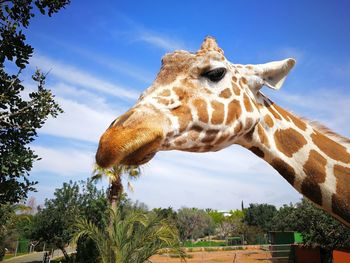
(101, 56)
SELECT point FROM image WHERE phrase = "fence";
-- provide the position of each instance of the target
(233, 254)
(22, 246)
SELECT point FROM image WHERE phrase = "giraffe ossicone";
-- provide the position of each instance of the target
(201, 102)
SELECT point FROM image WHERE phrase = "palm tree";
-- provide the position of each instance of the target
(114, 175)
(131, 237)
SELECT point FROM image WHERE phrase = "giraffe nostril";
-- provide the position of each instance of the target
(121, 119)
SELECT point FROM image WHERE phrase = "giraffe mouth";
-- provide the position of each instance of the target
(141, 156)
(123, 147)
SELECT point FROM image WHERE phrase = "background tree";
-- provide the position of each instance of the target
(14, 224)
(54, 224)
(319, 228)
(194, 223)
(285, 219)
(217, 216)
(260, 215)
(19, 117)
(231, 225)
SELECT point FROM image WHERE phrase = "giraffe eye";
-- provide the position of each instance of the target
(215, 75)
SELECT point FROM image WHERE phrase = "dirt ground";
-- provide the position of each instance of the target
(236, 256)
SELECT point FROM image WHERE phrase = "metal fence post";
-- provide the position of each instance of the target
(17, 243)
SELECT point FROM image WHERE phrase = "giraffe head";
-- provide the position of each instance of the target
(198, 102)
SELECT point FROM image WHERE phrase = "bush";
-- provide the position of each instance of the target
(87, 251)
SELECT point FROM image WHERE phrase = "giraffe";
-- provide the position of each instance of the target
(201, 102)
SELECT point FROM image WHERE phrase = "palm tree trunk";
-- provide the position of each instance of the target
(115, 192)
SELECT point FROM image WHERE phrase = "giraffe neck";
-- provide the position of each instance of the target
(314, 161)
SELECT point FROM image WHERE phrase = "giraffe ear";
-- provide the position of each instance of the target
(273, 74)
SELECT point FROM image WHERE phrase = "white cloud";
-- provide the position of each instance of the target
(139, 33)
(158, 40)
(107, 62)
(63, 161)
(83, 79)
(218, 180)
(79, 121)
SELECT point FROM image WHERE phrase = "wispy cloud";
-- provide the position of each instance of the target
(137, 32)
(79, 121)
(112, 63)
(155, 39)
(63, 161)
(171, 180)
(83, 79)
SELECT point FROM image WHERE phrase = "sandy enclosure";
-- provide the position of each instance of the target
(236, 256)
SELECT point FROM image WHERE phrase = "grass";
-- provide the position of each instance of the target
(205, 244)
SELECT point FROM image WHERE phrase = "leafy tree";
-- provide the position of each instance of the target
(319, 228)
(260, 215)
(285, 219)
(217, 216)
(54, 223)
(194, 223)
(13, 224)
(167, 213)
(131, 237)
(94, 207)
(20, 118)
(231, 225)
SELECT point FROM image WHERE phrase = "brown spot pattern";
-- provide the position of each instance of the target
(173, 65)
(218, 112)
(197, 128)
(163, 101)
(284, 169)
(236, 89)
(247, 104)
(179, 142)
(184, 115)
(222, 138)
(268, 120)
(285, 114)
(243, 81)
(263, 137)
(248, 122)
(341, 200)
(238, 128)
(289, 141)
(234, 111)
(257, 151)
(234, 79)
(331, 148)
(193, 135)
(210, 136)
(249, 136)
(273, 112)
(312, 190)
(226, 93)
(165, 93)
(202, 111)
(180, 93)
(315, 167)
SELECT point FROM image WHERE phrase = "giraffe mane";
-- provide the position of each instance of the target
(328, 132)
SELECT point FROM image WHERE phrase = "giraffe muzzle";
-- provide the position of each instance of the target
(129, 142)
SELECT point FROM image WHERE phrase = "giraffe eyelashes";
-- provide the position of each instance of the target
(215, 75)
